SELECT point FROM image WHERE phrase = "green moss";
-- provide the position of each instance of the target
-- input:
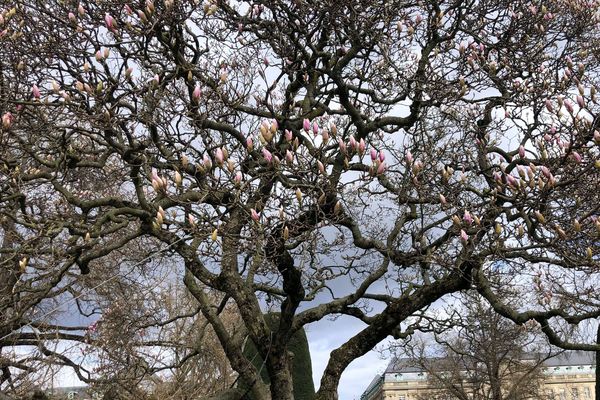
(304, 388)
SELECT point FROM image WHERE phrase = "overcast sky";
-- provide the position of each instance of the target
(325, 336)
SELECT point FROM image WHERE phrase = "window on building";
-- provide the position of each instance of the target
(563, 394)
(587, 393)
(575, 394)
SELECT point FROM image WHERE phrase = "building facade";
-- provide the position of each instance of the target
(567, 376)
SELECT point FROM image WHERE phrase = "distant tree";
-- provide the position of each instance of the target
(481, 356)
(365, 158)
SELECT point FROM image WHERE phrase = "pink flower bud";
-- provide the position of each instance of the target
(110, 22)
(237, 178)
(289, 157)
(72, 17)
(306, 124)
(155, 175)
(381, 168)
(512, 181)
(521, 151)
(546, 172)
(467, 217)
(580, 102)
(373, 154)
(381, 156)
(443, 200)
(577, 157)
(249, 143)
(128, 9)
(315, 128)
(569, 106)
(196, 94)
(80, 10)
(321, 167)
(597, 137)
(156, 79)
(191, 220)
(142, 16)
(549, 106)
(7, 120)
(409, 157)
(36, 92)
(207, 162)
(288, 135)
(497, 177)
(361, 146)
(353, 143)
(267, 155)
(254, 214)
(342, 145)
(219, 156)
(463, 236)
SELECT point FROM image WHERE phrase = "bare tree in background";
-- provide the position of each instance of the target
(477, 354)
(264, 152)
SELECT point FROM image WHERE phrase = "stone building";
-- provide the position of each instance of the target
(567, 376)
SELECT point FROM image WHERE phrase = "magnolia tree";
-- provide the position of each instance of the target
(362, 158)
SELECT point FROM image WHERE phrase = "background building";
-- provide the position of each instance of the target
(567, 376)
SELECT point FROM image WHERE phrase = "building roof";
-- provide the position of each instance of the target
(565, 358)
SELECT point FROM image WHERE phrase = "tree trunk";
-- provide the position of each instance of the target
(282, 386)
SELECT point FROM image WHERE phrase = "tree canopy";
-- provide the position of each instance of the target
(364, 158)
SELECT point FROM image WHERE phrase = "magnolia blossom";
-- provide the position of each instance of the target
(361, 146)
(196, 94)
(306, 124)
(7, 120)
(110, 22)
(409, 157)
(288, 135)
(254, 215)
(206, 161)
(237, 178)
(546, 172)
(36, 92)
(219, 156)
(463, 236)
(321, 167)
(267, 155)
(342, 145)
(373, 154)
(467, 217)
(353, 143)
